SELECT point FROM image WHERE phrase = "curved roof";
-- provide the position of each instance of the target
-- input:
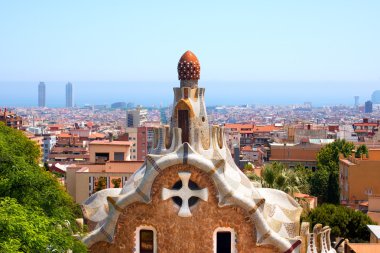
(233, 187)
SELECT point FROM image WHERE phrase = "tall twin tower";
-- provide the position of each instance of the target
(42, 95)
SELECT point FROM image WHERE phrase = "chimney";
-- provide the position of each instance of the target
(110, 137)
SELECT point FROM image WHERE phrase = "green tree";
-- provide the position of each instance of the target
(277, 176)
(101, 184)
(248, 166)
(116, 182)
(344, 222)
(344, 147)
(362, 150)
(319, 183)
(304, 175)
(32, 187)
(29, 230)
(325, 182)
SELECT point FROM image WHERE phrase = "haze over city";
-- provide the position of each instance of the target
(259, 52)
(155, 93)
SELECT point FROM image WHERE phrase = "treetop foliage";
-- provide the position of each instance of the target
(344, 222)
(33, 193)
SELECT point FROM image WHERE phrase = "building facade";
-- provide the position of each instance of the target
(359, 178)
(293, 154)
(136, 117)
(374, 209)
(365, 130)
(10, 118)
(109, 167)
(49, 142)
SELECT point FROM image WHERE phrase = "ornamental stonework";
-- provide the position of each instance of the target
(177, 234)
(189, 67)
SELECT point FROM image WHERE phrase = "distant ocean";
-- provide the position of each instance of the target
(24, 94)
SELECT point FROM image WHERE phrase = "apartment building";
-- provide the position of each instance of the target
(359, 177)
(109, 166)
(10, 119)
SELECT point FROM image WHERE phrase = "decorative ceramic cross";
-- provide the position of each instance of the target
(185, 193)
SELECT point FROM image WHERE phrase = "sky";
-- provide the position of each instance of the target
(251, 52)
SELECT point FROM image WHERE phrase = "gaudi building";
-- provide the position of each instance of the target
(189, 196)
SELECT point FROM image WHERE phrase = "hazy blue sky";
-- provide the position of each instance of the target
(272, 51)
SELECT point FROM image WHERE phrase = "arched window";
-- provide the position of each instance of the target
(224, 240)
(146, 239)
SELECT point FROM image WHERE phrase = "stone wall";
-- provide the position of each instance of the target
(176, 234)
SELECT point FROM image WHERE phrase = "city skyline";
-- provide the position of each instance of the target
(259, 93)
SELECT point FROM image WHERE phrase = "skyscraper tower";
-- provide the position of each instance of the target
(41, 94)
(376, 97)
(356, 101)
(69, 95)
(368, 107)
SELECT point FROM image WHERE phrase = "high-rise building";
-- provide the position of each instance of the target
(69, 95)
(356, 101)
(136, 117)
(376, 97)
(368, 107)
(41, 94)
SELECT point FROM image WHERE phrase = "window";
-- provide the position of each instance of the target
(101, 157)
(224, 240)
(119, 156)
(146, 239)
(193, 200)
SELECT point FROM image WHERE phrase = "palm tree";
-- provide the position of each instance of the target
(361, 150)
(345, 147)
(277, 176)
